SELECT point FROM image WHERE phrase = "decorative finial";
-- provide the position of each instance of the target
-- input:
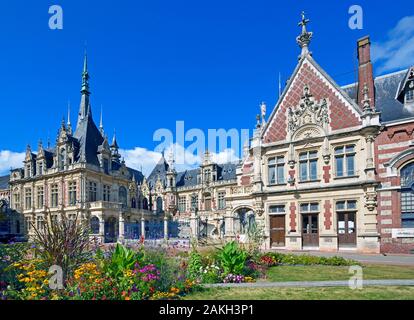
(258, 125)
(263, 112)
(367, 101)
(85, 75)
(305, 37)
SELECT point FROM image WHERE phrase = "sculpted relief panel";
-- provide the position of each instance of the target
(307, 113)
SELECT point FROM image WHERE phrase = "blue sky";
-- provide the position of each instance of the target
(152, 63)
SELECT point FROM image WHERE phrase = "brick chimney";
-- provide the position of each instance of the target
(365, 72)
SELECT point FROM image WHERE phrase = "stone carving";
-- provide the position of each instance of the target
(308, 112)
(371, 200)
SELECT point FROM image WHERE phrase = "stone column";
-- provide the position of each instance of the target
(101, 226)
(165, 228)
(370, 159)
(194, 224)
(143, 227)
(229, 227)
(121, 226)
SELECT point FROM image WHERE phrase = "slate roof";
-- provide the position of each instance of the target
(4, 182)
(89, 139)
(386, 88)
(160, 170)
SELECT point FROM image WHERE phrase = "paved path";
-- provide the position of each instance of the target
(310, 284)
(393, 259)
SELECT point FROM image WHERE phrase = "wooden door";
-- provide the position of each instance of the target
(310, 230)
(347, 229)
(277, 231)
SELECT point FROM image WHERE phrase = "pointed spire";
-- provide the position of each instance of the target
(305, 37)
(114, 144)
(84, 109)
(85, 75)
(101, 128)
(69, 125)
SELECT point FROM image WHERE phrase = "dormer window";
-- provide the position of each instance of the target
(409, 96)
(40, 169)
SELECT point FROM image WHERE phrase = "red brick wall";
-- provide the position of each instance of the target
(340, 116)
(389, 206)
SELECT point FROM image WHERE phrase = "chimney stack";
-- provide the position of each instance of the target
(365, 72)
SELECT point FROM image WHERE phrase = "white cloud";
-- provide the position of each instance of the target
(397, 50)
(10, 159)
(141, 159)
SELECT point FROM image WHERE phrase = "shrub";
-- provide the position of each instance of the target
(63, 242)
(195, 265)
(291, 259)
(232, 258)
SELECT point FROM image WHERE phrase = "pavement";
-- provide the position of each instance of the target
(311, 284)
(392, 259)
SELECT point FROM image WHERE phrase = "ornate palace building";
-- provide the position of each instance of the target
(332, 168)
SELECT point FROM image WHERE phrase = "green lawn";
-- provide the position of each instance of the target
(325, 273)
(368, 293)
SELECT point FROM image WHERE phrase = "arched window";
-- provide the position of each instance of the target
(159, 205)
(407, 196)
(94, 225)
(145, 204)
(123, 196)
(133, 203)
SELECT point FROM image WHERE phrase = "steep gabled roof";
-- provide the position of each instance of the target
(309, 72)
(89, 139)
(160, 171)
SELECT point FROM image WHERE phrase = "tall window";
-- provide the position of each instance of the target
(308, 166)
(72, 193)
(276, 168)
(40, 223)
(28, 223)
(207, 175)
(62, 159)
(407, 196)
(194, 202)
(40, 168)
(28, 170)
(28, 198)
(409, 96)
(182, 204)
(92, 191)
(16, 200)
(345, 161)
(54, 199)
(123, 196)
(106, 166)
(106, 193)
(221, 200)
(40, 197)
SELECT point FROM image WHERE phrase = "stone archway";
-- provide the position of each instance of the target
(244, 220)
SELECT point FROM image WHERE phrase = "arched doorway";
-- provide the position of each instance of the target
(111, 230)
(245, 221)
